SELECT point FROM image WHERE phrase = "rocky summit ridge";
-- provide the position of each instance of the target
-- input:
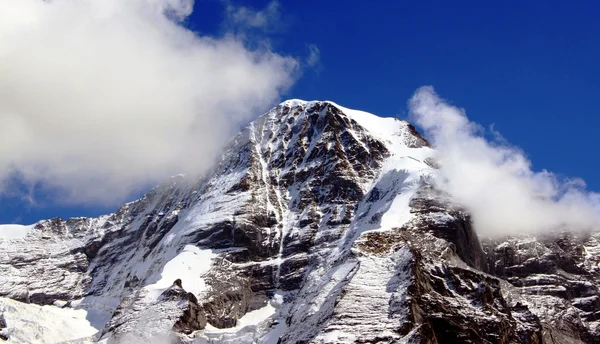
(319, 224)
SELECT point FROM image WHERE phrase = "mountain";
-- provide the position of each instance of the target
(319, 224)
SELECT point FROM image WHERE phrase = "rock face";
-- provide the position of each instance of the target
(319, 224)
(557, 277)
(2, 326)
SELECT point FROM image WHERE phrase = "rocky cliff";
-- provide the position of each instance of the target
(319, 224)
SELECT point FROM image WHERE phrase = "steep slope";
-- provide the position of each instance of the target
(319, 224)
(557, 277)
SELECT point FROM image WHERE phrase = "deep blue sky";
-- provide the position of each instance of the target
(532, 68)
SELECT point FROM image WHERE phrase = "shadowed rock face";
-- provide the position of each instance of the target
(434, 206)
(453, 303)
(193, 317)
(557, 273)
(319, 224)
(2, 326)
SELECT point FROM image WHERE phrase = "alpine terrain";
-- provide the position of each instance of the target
(319, 224)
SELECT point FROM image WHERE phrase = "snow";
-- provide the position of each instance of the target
(399, 211)
(33, 324)
(190, 265)
(337, 337)
(272, 337)
(253, 318)
(373, 299)
(99, 309)
(246, 331)
(393, 187)
(401, 173)
(375, 125)
(11, 232)
(335, 264)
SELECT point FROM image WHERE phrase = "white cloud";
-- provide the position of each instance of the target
(494, 181)
(244, 18)
(314, 55)
(100, 97)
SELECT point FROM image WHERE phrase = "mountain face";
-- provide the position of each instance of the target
(319, 224)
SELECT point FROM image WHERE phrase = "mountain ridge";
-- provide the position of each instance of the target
(318, 224)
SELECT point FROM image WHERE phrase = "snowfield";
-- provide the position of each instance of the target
(30, 323)
(10, 232)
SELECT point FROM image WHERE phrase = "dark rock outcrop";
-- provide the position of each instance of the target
(193, 317)
(2, 326)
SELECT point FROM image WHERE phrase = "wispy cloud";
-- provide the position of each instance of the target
(495, 181)
(243, 18)
(314, 56)
(98, 98)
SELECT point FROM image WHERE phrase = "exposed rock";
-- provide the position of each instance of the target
(138, 319)
(2, 326)
(319, 224)
(228, 298)
(557, 277)
(193, 318)
(443, 219)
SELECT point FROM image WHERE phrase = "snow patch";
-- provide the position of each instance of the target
(33, 324)
(190, 266)
(99, 309)
(380, 126)
(253, 318)
(247, 330)
(10, 232)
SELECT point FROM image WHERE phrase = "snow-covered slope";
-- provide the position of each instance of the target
(30, 323)
(9, 232)
(319, 224)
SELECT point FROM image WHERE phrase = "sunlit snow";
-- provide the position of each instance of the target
(189, 266)
(30, 323)
(10, 232)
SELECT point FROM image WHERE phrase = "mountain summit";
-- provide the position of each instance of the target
(319, 224)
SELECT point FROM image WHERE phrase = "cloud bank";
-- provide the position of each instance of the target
(100, 97)
(494, 180)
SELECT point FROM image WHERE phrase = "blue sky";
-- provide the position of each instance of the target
(529, 68)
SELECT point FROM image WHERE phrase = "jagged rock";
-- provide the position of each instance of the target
(194, 317)
(137, 318)
(319, 224)
(557, 275)
(228, 299)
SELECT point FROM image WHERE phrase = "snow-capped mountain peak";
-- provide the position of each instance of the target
(318, 224)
